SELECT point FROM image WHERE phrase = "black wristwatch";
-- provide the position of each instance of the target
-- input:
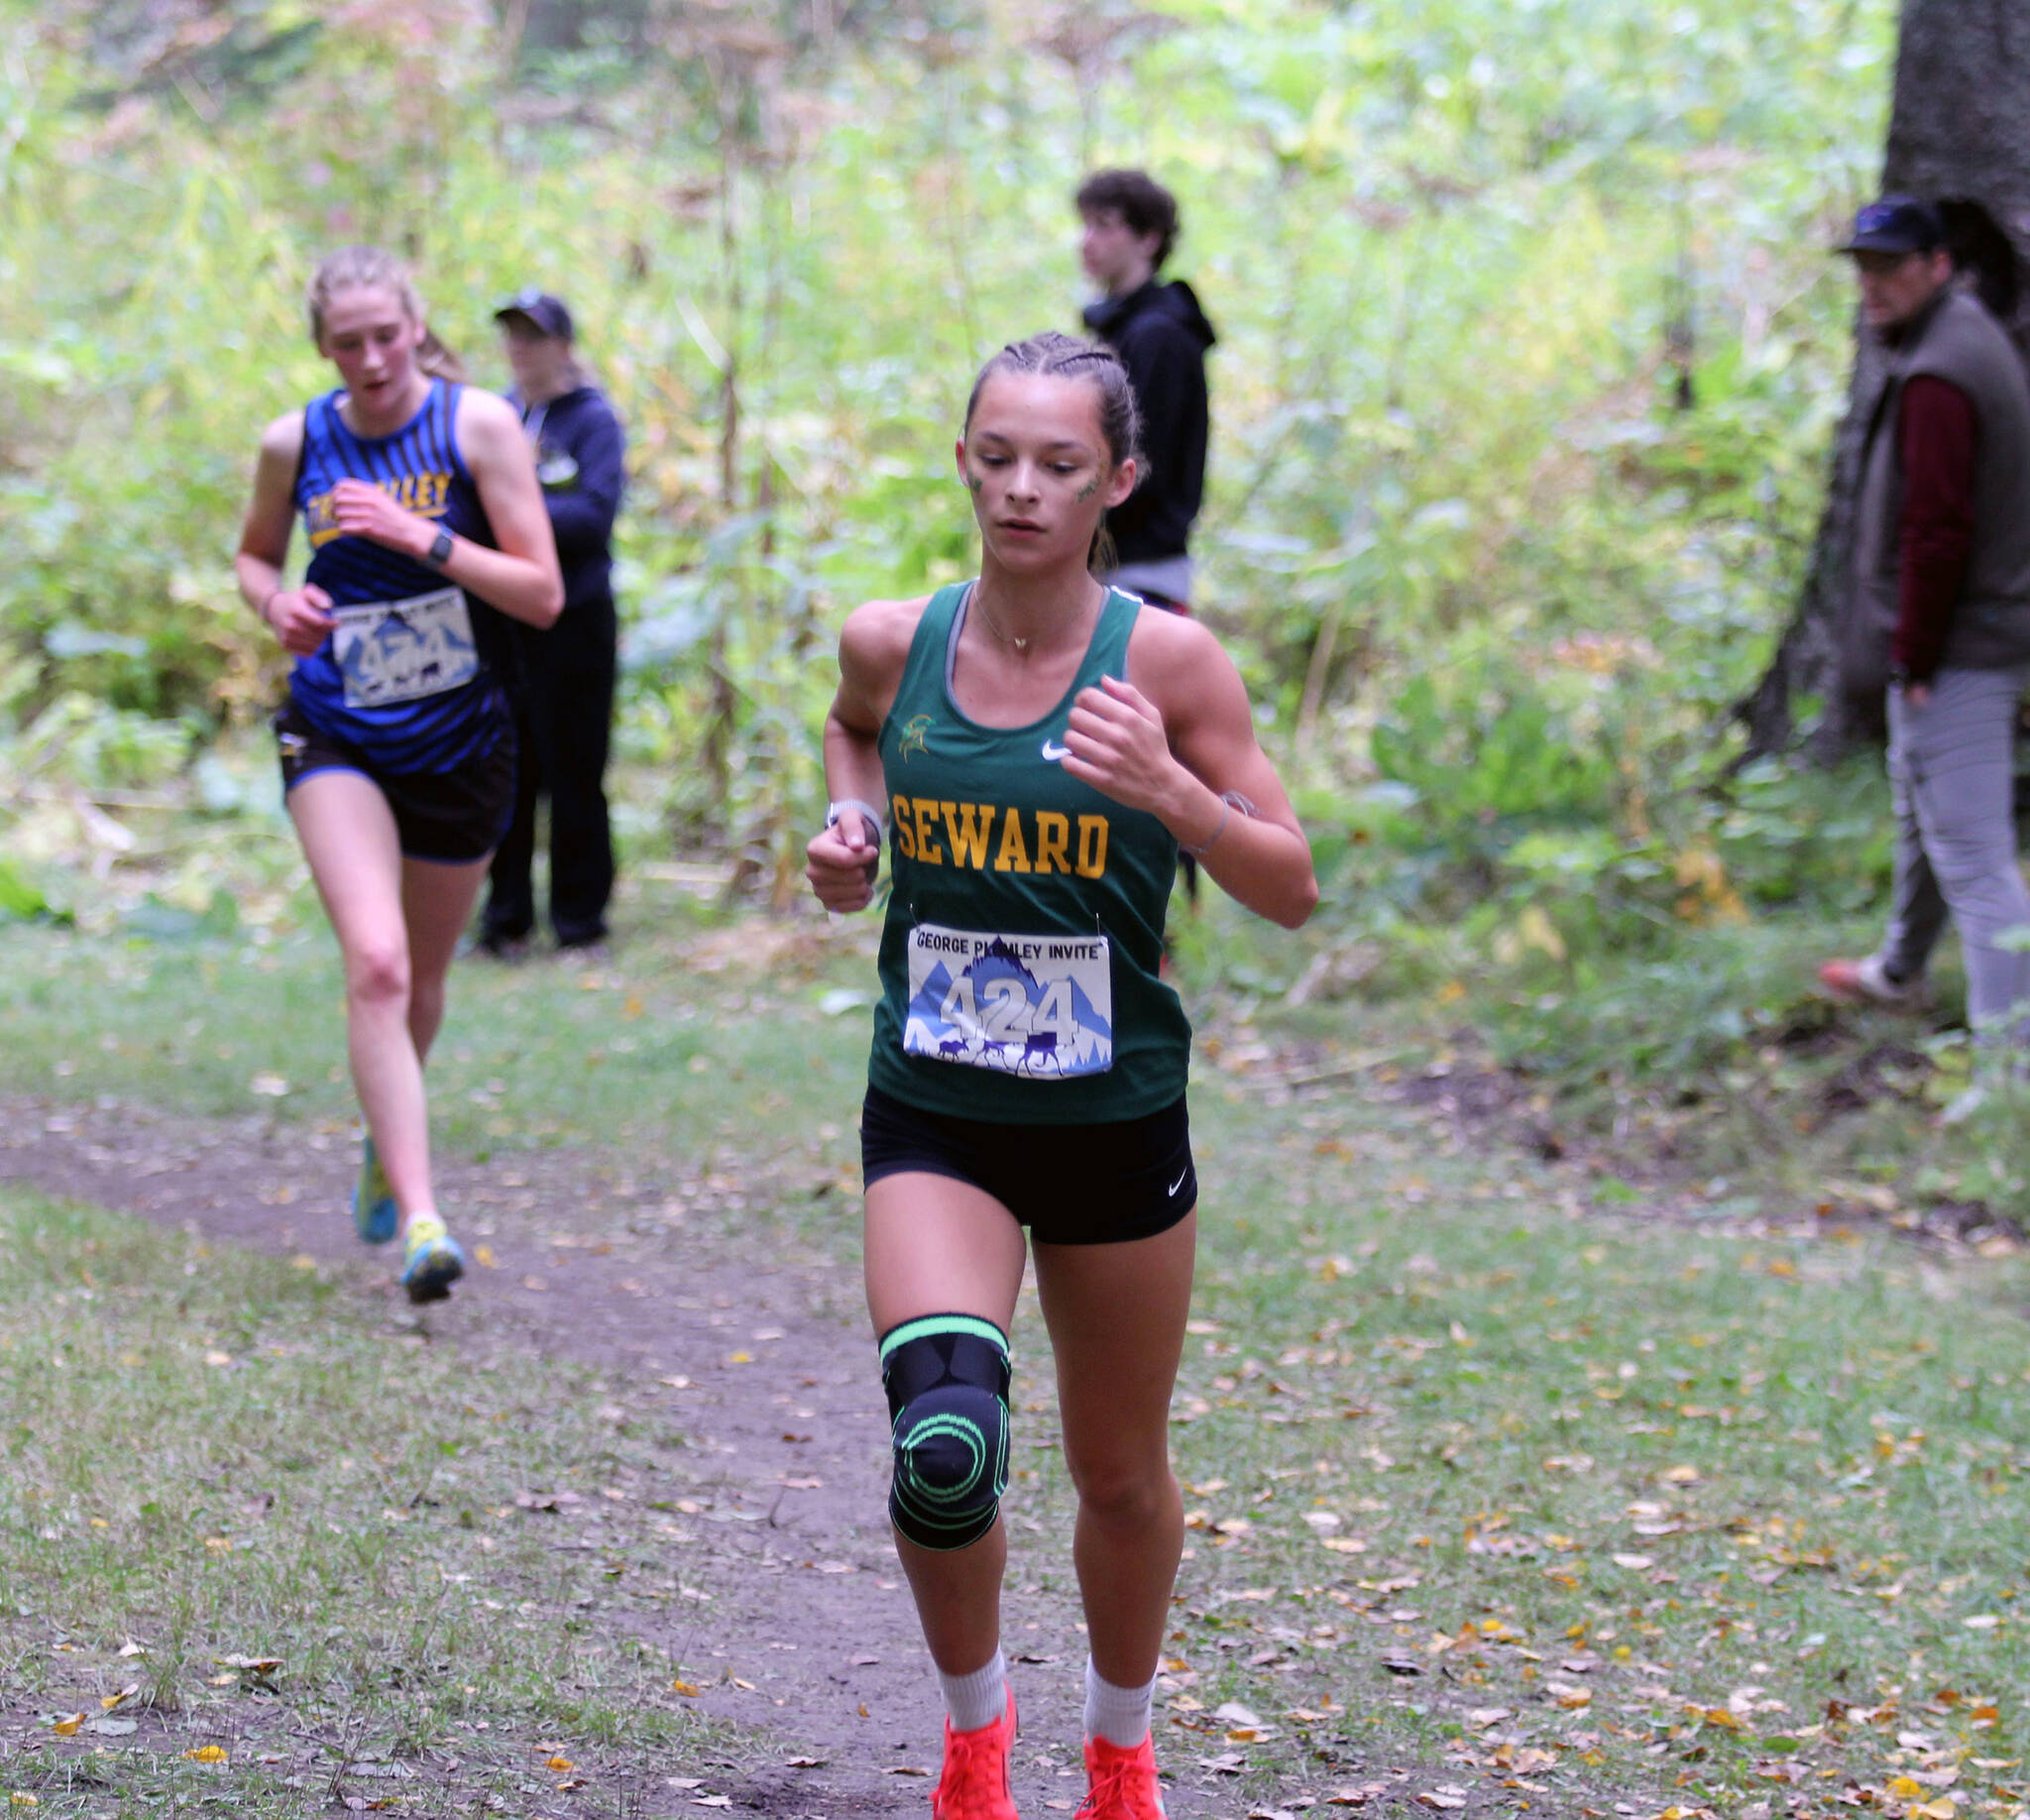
(439, 552)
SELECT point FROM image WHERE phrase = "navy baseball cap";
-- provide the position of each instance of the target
(1896, 224)
(541, 311)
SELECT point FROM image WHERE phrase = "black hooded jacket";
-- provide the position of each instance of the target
(1160, 335)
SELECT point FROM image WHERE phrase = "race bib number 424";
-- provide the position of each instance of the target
(403, 651)
(1042, 1006)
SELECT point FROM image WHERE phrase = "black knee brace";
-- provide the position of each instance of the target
(946, 1379)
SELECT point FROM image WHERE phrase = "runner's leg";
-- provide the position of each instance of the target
(1116, 1318)
(355, 857)
(437, 905)
(938, 1246)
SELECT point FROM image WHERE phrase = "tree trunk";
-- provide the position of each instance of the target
(1959, 136)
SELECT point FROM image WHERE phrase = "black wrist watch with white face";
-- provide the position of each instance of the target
(439, 552)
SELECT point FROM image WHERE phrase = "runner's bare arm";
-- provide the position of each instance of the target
(1174, 742)
(841, 861)
(296, 615)
(520, 577)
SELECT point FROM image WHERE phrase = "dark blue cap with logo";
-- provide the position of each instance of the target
(1896, 224)
(541, 311)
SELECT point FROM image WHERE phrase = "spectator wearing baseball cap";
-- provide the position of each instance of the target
(563, 685)
(1898, 225)
(1939, 609)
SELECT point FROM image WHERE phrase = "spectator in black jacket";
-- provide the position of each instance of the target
(1160, 335)
(564, 678)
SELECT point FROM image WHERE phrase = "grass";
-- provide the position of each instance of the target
(211, 1459)
(1587, 1489)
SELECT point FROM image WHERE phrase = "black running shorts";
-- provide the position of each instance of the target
(1070, 1185)
(450, 817)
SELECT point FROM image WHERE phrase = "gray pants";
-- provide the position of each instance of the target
(1952, 783)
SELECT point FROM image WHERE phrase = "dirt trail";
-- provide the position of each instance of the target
(793, 1442)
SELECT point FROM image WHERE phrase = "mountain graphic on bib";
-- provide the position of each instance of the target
(995, 1014)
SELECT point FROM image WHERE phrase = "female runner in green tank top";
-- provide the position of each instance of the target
(1037, 748)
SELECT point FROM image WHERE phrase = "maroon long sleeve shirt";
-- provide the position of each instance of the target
(1939, 430)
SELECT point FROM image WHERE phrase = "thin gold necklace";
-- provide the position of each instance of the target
(1021, 645)
(994, 627)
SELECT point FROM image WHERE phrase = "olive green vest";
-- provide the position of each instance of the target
(1020, 957)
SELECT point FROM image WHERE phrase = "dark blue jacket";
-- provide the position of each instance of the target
(581, 459)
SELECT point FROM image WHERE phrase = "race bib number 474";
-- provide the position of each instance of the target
(1020, 1004)
(403, 651)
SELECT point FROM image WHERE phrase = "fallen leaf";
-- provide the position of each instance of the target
(65, 1725)
(113, 1728)
(112, 1700)
(686, 1689)
(558, 1764)
(207, 1753)
(269, 1086)
(1635, 1564)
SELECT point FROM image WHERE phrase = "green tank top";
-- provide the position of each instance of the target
(1020, 956)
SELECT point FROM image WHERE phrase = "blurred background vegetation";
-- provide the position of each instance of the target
(1531, 352)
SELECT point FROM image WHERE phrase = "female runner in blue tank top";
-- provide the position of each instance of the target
(1043, 747)
(422, 508)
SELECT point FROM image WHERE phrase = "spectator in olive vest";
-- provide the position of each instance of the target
(1940, 609)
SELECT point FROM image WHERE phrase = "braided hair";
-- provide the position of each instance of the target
(1059, 356)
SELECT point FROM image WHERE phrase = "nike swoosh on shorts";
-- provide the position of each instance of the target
(1177, 1184)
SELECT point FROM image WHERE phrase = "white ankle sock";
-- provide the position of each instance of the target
(1120, 1715)
(978, 1699)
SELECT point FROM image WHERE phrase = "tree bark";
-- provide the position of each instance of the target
(1959, 137)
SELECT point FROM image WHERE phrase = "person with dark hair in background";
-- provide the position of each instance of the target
(563, 679)
(1941, 611)
(1162, 335)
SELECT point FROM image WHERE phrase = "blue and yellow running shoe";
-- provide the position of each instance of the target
(431, 1260)
(373, 1215)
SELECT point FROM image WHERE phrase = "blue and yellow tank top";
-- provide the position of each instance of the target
(411, 675)
(1020, 956)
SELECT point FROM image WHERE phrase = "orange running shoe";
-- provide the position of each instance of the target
(973, 1784)
(1121, 1785)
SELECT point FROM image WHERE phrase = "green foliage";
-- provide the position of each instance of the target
(1445, 246)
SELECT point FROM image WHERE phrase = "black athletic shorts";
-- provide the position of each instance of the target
(450, 817)
(1070, 1185)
